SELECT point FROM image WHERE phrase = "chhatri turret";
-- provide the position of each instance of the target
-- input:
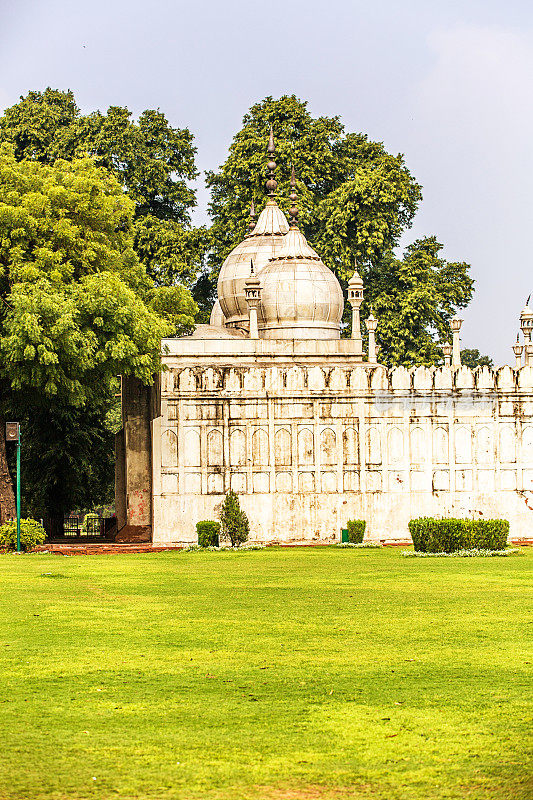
(355, 298)
(263, 242)
(252, 291)
(526, 326)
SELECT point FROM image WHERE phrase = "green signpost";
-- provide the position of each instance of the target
(13, 435)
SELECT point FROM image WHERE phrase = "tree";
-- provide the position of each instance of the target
(414, 298)
(42, 126)
(356, 200)
(473, 359)
(152, 160)
(78, 309)
(234, 522)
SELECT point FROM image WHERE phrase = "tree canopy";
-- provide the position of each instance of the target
(78, 307)
(152, 160)
(473, 358)
(356, 201)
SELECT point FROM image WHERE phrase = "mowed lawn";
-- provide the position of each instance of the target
(283, 673)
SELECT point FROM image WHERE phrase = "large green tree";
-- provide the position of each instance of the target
(78, 308)
(153, 161)
(356, 200)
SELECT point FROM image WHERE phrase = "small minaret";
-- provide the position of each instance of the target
(371, 325)
(447, 350)
(518, 350)
(355, 298)
(526, 324)
(271, 184)
(252, 292)
(456, 346)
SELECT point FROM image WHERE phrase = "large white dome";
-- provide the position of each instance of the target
(264, 243)
(301, 298)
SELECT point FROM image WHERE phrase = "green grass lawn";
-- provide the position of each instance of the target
(294, 673)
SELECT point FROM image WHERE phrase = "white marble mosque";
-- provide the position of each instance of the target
(308, 429)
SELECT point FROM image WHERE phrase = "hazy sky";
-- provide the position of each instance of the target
(446, 83)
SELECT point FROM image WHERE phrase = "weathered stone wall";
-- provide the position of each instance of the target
(309, 447)
(133, 472)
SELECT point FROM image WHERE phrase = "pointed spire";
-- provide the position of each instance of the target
(293, 211)
(251, 224)
(271, 184)
(252, 280)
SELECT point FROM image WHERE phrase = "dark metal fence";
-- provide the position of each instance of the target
(71, 526)
(76, 526)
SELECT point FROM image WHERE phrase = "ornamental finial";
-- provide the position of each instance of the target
(293, 211)
(271, 184)
(251, 224)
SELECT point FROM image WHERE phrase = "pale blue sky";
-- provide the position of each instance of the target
(447, 83)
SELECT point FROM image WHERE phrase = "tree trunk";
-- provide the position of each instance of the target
(54, 523)
(7, 497)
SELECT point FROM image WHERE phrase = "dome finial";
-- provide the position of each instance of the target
(293, 211)
(271, 149)
(251, 224)
(271, 184)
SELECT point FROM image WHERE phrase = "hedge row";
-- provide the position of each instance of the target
(447, 535)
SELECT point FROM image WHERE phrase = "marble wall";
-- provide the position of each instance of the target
(308, 448)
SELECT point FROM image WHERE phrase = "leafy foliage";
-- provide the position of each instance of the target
(77, 300)
(42, 126)
(151, 160)
(448, 535)
(32, 533)
(208, 533)
(78, 310)
(414, 299)
(67, 455)
(234, 522)
(356, 530)
(356, 200)
(473, 359)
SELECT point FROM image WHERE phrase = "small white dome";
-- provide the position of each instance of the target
(301, 298)
(264, 243)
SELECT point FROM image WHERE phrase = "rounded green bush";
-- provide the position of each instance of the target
(356, 530)
(208, 533)
(32, 533)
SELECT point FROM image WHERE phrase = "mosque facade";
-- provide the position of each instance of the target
(308, 429)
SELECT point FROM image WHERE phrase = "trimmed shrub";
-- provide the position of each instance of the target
(235, 525)
(208, 533)
(32, 533)
(448, 535)
(356, 530)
